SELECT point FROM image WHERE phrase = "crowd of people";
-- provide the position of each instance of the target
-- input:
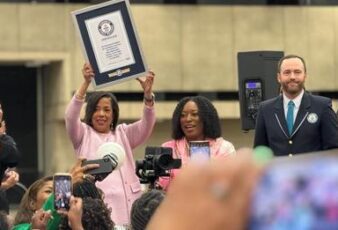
(211, 195)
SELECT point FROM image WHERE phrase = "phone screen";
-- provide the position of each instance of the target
(199, 150)
(62, 191)
(297, 193)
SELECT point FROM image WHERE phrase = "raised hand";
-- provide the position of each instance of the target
(75, 213)
(78, 171)
(10, 179)
(147, 83)
(88, 72)
(40, 219)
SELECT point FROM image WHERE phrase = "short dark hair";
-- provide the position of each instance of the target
(92, 103)
(288, 57)
(207, 113)
(95, 215)
(144, 207)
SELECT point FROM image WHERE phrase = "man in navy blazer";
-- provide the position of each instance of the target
(315, 125)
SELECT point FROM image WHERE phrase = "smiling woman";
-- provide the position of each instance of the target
(100, 126)
(102, 112)
(33, 199)
(195, 119)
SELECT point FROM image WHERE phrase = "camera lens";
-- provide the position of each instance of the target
(164, 161)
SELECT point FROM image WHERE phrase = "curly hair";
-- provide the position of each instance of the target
(95, 216)
(92, 102)
(25, 210)
(207, 113)
(86, 188)
(144, 207)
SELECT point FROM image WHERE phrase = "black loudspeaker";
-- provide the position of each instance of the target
(257, 81)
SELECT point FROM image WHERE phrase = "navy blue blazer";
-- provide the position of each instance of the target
(315, 128)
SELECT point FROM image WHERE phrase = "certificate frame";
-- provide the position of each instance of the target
(110, 42)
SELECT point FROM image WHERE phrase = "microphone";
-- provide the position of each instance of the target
(111, 156)
(112, 151)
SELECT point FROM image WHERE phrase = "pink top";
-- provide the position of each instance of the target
(122, 186)
(218, 148)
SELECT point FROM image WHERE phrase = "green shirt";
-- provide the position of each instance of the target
(53, 223)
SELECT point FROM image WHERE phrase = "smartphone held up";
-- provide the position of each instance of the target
(297, 193)
(62, 184)
(199, 151)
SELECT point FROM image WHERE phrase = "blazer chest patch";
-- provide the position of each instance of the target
(312, 118)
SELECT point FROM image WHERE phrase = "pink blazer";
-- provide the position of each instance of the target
(218, 148)
(122, 186)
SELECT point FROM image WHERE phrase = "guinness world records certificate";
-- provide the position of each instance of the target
(109, 42)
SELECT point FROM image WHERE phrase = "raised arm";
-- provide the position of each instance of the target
(75, 128)
(147, 86)
(88, 74)
(140, 131)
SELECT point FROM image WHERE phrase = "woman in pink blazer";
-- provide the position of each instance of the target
(100, 125)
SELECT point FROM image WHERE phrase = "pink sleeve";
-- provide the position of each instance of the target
(223, 148)
(139, 131)
(163, 182)
(74, 126)
(228, 149)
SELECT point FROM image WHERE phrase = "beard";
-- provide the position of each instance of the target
(295, 89)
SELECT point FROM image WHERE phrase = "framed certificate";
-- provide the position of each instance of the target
(110, 42)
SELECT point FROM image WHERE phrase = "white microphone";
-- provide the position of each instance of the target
(112, 151)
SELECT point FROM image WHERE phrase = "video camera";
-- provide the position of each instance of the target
(156, 163)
